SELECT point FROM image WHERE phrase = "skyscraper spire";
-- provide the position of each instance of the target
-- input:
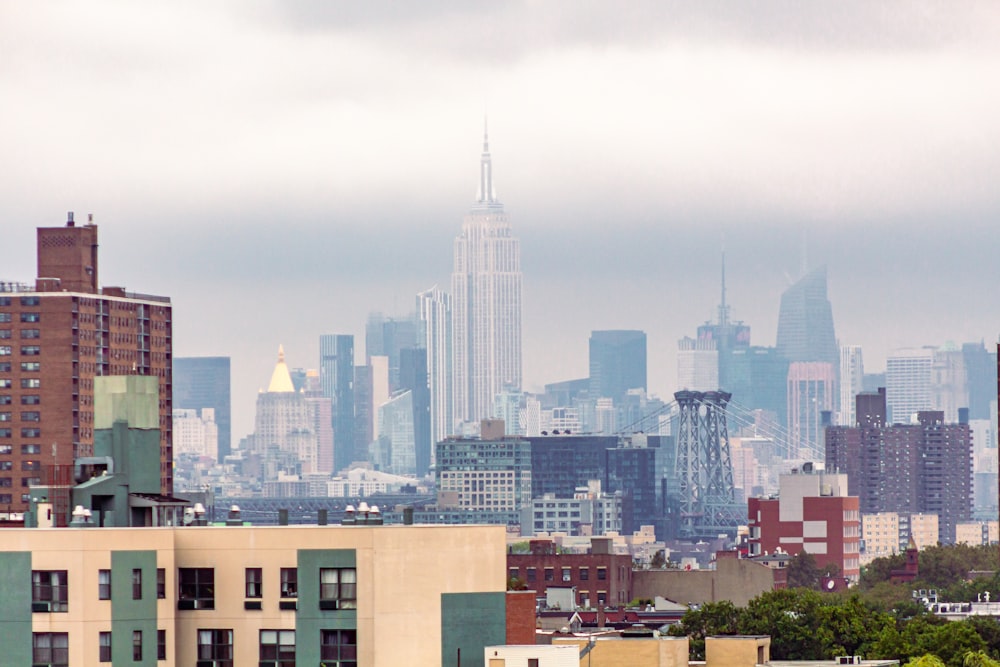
(486, 194)
(723, 308)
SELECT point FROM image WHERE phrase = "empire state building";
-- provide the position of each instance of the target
(486, 306)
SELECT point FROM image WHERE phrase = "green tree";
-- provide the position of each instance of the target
(803, 572)
(712, 618)
(658, 560)
(925, 661)
(979, 659)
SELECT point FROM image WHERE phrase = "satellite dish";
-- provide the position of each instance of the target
(830, 585)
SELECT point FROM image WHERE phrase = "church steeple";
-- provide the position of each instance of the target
(486, 193)
(281, 379)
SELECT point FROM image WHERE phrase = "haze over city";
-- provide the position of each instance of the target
(281, 171)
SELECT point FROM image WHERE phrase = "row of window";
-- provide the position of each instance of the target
(25, 449)
(196, 587)
(26, 383)
(25, 416)
(276, 648)
(25, 317)
(566, 572)
(26, 366)
(26, 350)
(25, 433)
(25, 300)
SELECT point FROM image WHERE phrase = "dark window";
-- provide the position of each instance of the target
(50, 649)
(31, 366)
(532, 662)
(30, 383)
(338, 588)
(584, 573)
(289, 582)
(602, 573)
(30, 350)
(6, 399)
(339, 647)
(215, 648)
(30, 399)
(30, 466)
(254, 581)
(6, 482)
(30, 301)
(137, 645)
(31, 449)
(31, 317)
(277, 648)
(161, 584)
(6, 498)
(104, 644)
(549, 574)
(531, 574)
(161, 644)
(5, 383)
(5, 366)
(4, 432)
(566, 576)
(32, 416)
(31, 432)
(104, 584)
(30, 333)
(196, 588)
(49, 590)
(136, 584)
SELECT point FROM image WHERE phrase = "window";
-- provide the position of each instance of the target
(254, 581)
(29, 333)
(5, 350)
(31, 449)
(196, 588)
(584, 573)
(549, 574)
(5, 416)
(30, 481)
(602, 573)
(289, 582)
(30, 399)
(215, 648)
(566, 576)
(277, 648)
(161, 644)
(136, 584)
(6, 498)
(137, 645)
(532, 576)
(532, 662)
(29, 383)
(6, 482)
(31, 366)
(31, 317)
(49, 590)
(6, 399)
(104, 584)
(6, 449)
(339, 647)
(161, 584)
(104, 647)
(5, 433)
(338, 588)
(50, 649)
(4, 317)
(30, 350)
(31, 465)
(5, 367)
(5, 383)
(31, 432)
(30, 301)
(31, 416)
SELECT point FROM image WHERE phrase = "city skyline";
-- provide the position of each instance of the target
(234, 164)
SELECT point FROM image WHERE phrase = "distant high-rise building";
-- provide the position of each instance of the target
(388, 336)
(283, 425)
(852, 378)
(758, 380)
(981, 375)
(486, 293)
(434, 311)
(931, 464)
(949, 384)
(810, 393)
(195, 432)
(805, 321)
(395, 449)
(697, 364)
(617, 363)
(336, 374)
(204, 382)
(727, 336)
(56, 336)
(908, 383)
(413, 378)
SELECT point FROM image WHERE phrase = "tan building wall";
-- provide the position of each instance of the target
(880, 533)
(402, 572)
(616, 652)
(737, 651)
(924, 529)
(736, 580)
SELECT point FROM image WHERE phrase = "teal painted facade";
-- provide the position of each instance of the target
(128, 614)
(15, 608)
(469, 623)
(309, 618)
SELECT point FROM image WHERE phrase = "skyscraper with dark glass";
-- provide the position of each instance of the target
(336, 374)
(617, 363)
(805, 321)
(204, 382)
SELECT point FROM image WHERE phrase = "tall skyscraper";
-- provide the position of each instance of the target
(336, 376)
(434, 311)
(697, 364)
(283, 424)
(852, 378)
(908, 383)
(413, 378)
(56, 336)
(388, 337)
(617, 363)
(486, 288)
(810, 393)
(204, 382)
(805, 322)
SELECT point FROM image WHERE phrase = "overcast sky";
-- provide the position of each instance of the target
(281, 169)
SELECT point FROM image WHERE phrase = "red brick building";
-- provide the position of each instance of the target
(813, 514)
(56, 336)
(601, 578)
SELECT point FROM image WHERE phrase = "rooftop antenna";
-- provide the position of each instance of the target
(723, 308)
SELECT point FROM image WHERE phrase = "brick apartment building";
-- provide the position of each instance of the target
(56, 336)
(601, 578)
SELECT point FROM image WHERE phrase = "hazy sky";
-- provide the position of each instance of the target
(281, 169)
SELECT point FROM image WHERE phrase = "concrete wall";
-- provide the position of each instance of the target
(615, 652)
(738, 581)
(737, 651)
